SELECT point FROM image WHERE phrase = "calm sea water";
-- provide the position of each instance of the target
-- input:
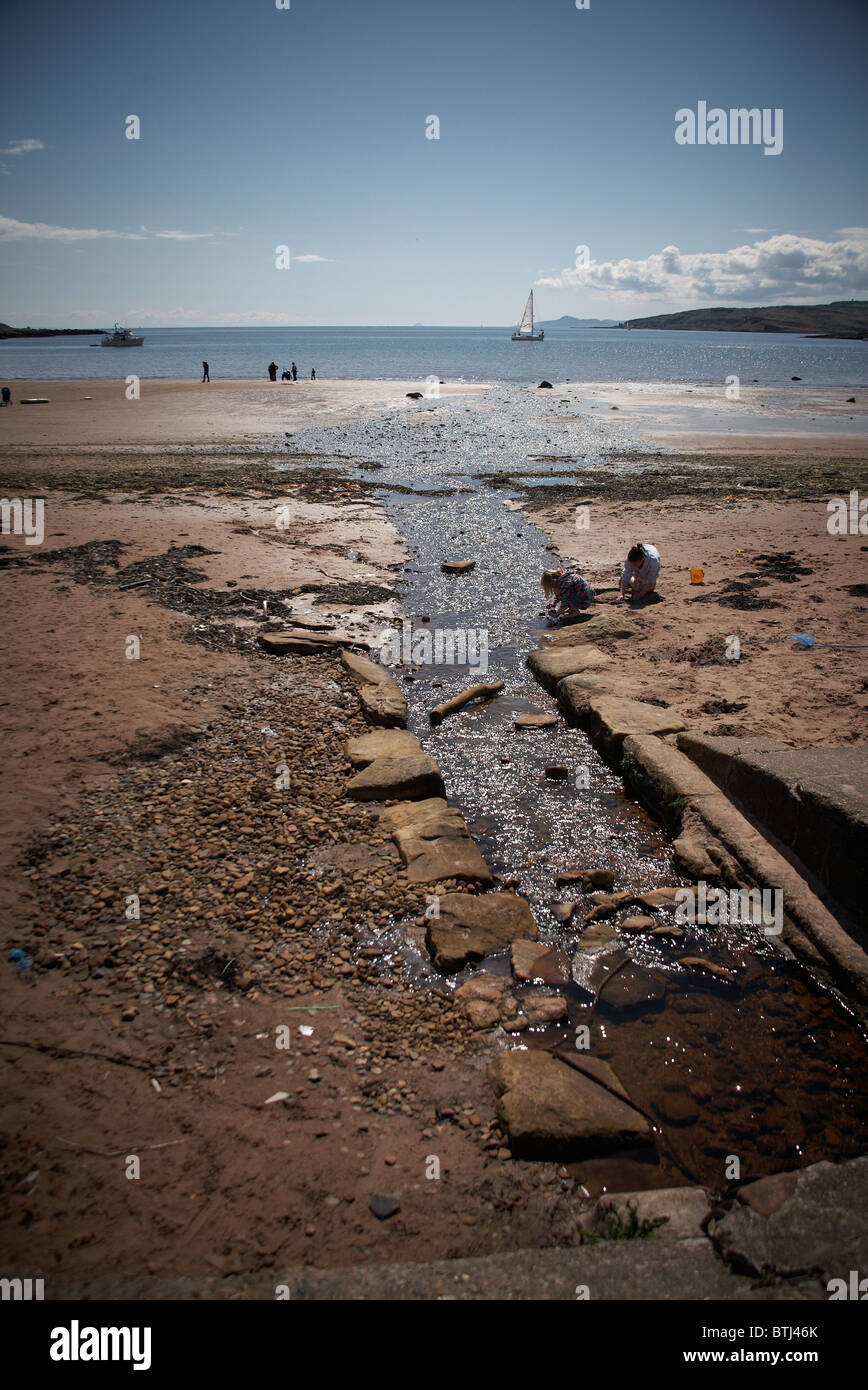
(454, 354)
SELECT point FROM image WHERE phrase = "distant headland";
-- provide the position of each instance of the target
(844, 318)
(6, 331)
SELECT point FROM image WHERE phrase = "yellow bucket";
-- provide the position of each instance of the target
(696, 576)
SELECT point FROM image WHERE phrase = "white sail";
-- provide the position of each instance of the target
(526, 325)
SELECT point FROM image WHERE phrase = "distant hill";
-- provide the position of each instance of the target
(567, 321)
(845, 318)
(7, 332)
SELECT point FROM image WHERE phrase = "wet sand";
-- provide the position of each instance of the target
(193, 412)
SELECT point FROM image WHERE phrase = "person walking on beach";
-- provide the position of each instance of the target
(641, 571)
(7, 396)
(206, 372)
(568, 594)
(313, 373)
(272, 371)
(294, 370)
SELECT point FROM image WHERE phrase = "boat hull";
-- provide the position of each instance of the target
(528, 337)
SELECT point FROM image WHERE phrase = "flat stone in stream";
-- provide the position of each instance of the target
(383, 704)
(630, 993)
(531, 961)
(381, 743)
(407, 775)
(437, 846)
(471, 926)
(458, 566)
(535, 721)
(550, 1110)
(551, 665)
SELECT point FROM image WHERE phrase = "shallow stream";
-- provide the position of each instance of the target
(768, 1068)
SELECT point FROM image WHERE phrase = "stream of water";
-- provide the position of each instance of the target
(768, 1068)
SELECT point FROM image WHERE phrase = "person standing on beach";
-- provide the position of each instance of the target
(641, 571)
(206, 372)
(313, 373)
(294, 370)
(7, 396)
(272, 371)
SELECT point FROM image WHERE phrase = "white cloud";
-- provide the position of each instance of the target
(23, 146)
(314, 258)
(13, 230)
(184, 236)
(784, 268)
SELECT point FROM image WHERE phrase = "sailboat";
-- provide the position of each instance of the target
(525, 332)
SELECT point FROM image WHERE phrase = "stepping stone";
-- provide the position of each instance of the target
(363, 670)
(438, 846)
(633, 991)
(381, 743)
(612, 718)
(573, 692)
(550, 1110)
(536, 721)
(551, 665)
(530, 961)
(411, 775)
(406, 812)
(470, 926)
(383, 704)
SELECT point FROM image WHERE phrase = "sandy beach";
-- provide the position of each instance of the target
(152, 776)
(82, 413)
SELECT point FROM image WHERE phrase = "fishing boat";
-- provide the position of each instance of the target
(525, 332)
(122, 337)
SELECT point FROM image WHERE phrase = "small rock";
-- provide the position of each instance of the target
(562, 912)
(637, 924)
(458, 566)
(557, 772)
(384, 1206)
(700, 963)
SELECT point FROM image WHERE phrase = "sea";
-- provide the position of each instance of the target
(449, 354)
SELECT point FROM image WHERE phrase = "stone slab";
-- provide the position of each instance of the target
(552, 664)
(470, 926)
(439, 846)
(409, 775)
(550, 1110)
(381, 743)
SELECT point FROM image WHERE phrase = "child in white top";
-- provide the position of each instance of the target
(641, 571)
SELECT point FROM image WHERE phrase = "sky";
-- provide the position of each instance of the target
(306, 128)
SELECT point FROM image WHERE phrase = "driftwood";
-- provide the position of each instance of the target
(485, 692)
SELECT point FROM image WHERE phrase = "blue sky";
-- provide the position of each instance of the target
(306, 127)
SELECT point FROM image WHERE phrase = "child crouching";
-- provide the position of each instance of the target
(568, 594)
